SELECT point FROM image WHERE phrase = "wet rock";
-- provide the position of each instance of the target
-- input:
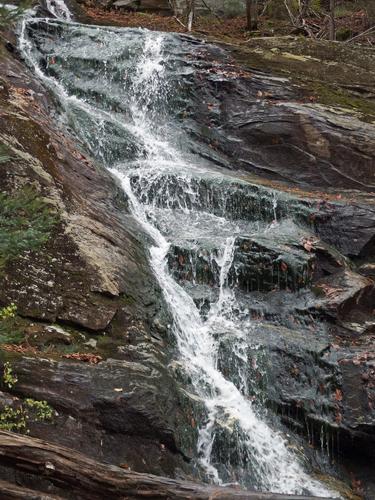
(91, 274)
(264, 128)
(347, 297)
(127, 399)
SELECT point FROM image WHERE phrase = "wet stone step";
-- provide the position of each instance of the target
(182, 226)
(257, 265)
(218, 194)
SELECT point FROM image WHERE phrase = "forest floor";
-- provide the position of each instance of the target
(231, 28)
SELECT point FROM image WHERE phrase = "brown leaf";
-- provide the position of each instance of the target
(308, 246)
(338, 395)
(85, 357)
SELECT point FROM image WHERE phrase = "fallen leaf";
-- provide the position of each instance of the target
(338, 395)
(85, 357)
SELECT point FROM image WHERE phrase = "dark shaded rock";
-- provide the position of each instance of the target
(264, 128)
(130, 403)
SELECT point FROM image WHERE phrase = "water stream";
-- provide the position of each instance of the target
(120, 91)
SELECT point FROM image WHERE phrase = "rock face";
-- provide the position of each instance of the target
(317, 368)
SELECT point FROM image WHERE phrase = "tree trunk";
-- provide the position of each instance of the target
(190, 18)
(332, 27)
(251, 15)
(67, 473)
(248, 14)
(254, 15)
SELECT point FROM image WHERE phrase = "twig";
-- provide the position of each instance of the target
(292, 18)
(180, 22)
(265, 7)
(366, 32)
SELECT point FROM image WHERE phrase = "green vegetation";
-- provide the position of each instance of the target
(343, 34)
(16, 419)
(41, 410)
(8, 312)
(26, 222)
(9, 378)
(9, 331)
(13, 419)
(30, 410)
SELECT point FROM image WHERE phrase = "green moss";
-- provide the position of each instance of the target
(26, 222)
(127, 300)
(107, 345)
(10, 333)
(338, 97)
(322, 69)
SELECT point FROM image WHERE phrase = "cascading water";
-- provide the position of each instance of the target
(117, 92)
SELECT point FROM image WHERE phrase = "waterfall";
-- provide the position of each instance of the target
(143, 146)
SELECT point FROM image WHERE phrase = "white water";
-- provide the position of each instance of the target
(59, 9)
(266, 453)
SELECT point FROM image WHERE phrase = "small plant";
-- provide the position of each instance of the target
(10, 332)
(8, 311)
(343, 34)
(16, 419)
(13, 419)
(43, 411)
(9, 378)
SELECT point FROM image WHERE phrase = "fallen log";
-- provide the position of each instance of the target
(10, 491)
(80, 477)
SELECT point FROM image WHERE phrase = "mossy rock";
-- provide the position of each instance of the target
(26, 222)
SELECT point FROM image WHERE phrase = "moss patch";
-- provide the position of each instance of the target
(26, 222)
